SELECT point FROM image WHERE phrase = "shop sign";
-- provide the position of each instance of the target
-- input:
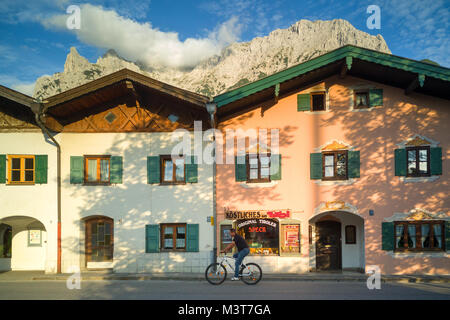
(256, 214)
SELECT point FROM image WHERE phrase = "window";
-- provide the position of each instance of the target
(419, 235)
(21, 169)
(173, 237)
(418, 161)
(99, 239)
(173, 170)
(97, 169)
(225, 236)
(361, 100)
(350, 235)
(258, 167)
(318, 101)
(334, 165)
(262, 235)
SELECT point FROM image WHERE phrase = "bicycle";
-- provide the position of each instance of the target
(216, 273)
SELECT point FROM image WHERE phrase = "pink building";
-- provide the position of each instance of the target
(363, 151)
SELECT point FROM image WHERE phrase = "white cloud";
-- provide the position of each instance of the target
(25, 88)
(142, 42)
(16, 84)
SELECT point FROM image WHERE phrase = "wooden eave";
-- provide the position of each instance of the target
(111, 86)
(364, 63)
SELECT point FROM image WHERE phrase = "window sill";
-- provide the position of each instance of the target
(335, 182)
(96, 184)
(20, 184)
(353, 109)
(317, 112)
(171, 183)
(418, 179)
(251, 185)
(419, 254)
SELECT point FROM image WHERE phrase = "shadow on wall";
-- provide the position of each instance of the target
(134, 203)
(376, 134)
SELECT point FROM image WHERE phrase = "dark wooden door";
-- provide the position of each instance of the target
(328, 245)
(99, 239)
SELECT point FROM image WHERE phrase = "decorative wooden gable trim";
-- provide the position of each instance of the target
(125, 106)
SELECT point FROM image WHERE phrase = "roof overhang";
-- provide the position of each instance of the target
(372, 65)
(112, 86)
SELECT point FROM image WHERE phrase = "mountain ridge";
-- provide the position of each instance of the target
(236, 65)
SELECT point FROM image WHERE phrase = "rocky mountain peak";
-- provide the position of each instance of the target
(75, 62)
(236, 65)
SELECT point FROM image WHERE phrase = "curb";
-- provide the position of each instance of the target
(268, 278)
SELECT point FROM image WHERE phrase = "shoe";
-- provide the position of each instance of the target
(234, 279)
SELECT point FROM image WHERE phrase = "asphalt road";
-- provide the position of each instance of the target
(193, 290)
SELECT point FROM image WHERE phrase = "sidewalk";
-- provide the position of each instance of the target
(313, 276)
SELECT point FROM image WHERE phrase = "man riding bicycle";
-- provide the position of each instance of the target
(242, 248)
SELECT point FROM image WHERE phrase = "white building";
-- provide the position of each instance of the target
(125, 203)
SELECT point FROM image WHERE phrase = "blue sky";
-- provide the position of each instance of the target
(34, 40)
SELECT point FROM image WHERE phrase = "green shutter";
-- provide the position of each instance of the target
(304, 102)
(192, 170)
(353, 164)
(275, 167)
(436, 161)
(376, 97)
(315, 166)
(153, 170)
(76, 169)
(400, 162)
(116, 169)
(192, 238)
(447, 235)
(2, 168)
(240, 168)
(41, 168)
(387, 236)
(151, 238)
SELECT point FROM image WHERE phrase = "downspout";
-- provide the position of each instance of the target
(38, 113)
(211, 107)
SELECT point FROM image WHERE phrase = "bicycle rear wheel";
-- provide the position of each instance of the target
(251, 274)
(216, 273)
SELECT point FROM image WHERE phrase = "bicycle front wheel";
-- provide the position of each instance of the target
(216, 273)
(251, 274)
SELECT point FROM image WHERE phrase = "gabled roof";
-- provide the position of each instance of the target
(18, 106)
(360, 62)
(16, 97)
(120, 77)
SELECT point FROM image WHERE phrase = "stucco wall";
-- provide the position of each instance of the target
(134, 203)
(35, 201)
(376, 134)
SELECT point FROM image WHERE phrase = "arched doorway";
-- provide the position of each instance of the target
(23, 243)
(337, 241)
(99, 241)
